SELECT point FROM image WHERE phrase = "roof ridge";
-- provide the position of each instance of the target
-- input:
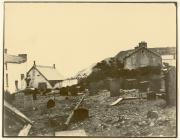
(45, 66)
(137, 49)
(133, 51)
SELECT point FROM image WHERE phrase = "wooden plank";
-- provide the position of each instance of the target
(25, 130)
(16, 112)
(127, 98)
(117, 101)
(71, 133)
(132, 98)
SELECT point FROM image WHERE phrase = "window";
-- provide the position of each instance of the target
(7, 80)
(6, 66)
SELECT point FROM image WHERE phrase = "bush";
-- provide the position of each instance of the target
(115, 72)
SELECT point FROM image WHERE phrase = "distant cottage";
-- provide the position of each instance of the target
(43, 77)
(141, 56)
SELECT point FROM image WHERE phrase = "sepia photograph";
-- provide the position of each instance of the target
(89, 69)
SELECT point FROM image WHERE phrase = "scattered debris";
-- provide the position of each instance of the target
(126, 120)
(152, 114)
(117, 101)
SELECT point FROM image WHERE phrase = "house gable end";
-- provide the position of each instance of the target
(45, 79)
(135, 51)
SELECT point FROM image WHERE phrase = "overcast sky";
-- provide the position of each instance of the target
(74, 36)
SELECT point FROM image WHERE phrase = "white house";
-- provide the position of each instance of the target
(43, 76)
(14, 72)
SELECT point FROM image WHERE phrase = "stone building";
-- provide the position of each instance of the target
(141, 56)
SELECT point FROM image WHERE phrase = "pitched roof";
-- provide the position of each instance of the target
(13, 59)
(14, 111)
(159, 50)
(50, 73)
(139, 48)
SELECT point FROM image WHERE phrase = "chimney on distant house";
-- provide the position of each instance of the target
(5, 50)
(54, 66)
(34, 63)
(143, 44)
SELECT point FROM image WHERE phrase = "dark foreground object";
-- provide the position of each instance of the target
(80, 114)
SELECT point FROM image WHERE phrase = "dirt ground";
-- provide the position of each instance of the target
(126, 119)
(46, 121)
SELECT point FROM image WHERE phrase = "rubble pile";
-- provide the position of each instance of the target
(129, 118)
(136, 117)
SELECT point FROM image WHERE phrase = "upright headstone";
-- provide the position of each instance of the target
(170, 79)
(80, 114)
(28, 102)
(93, 88)
(115, 85)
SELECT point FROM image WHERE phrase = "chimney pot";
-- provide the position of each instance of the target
(54, 66)
(143, 44)
(34, 63)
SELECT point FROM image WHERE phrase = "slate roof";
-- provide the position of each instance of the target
(160, 50)
(50, 73)
(140, 48)
(14, 120)
(14, 111)
(13, 59)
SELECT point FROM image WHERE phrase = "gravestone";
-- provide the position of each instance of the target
(28, 102)
(80, 114)
(170, 81)
(115, 85)
(50, 104)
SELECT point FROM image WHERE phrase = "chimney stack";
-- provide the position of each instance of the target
(34, 63)
(54, 66)
(143, 44)
(5, 50)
